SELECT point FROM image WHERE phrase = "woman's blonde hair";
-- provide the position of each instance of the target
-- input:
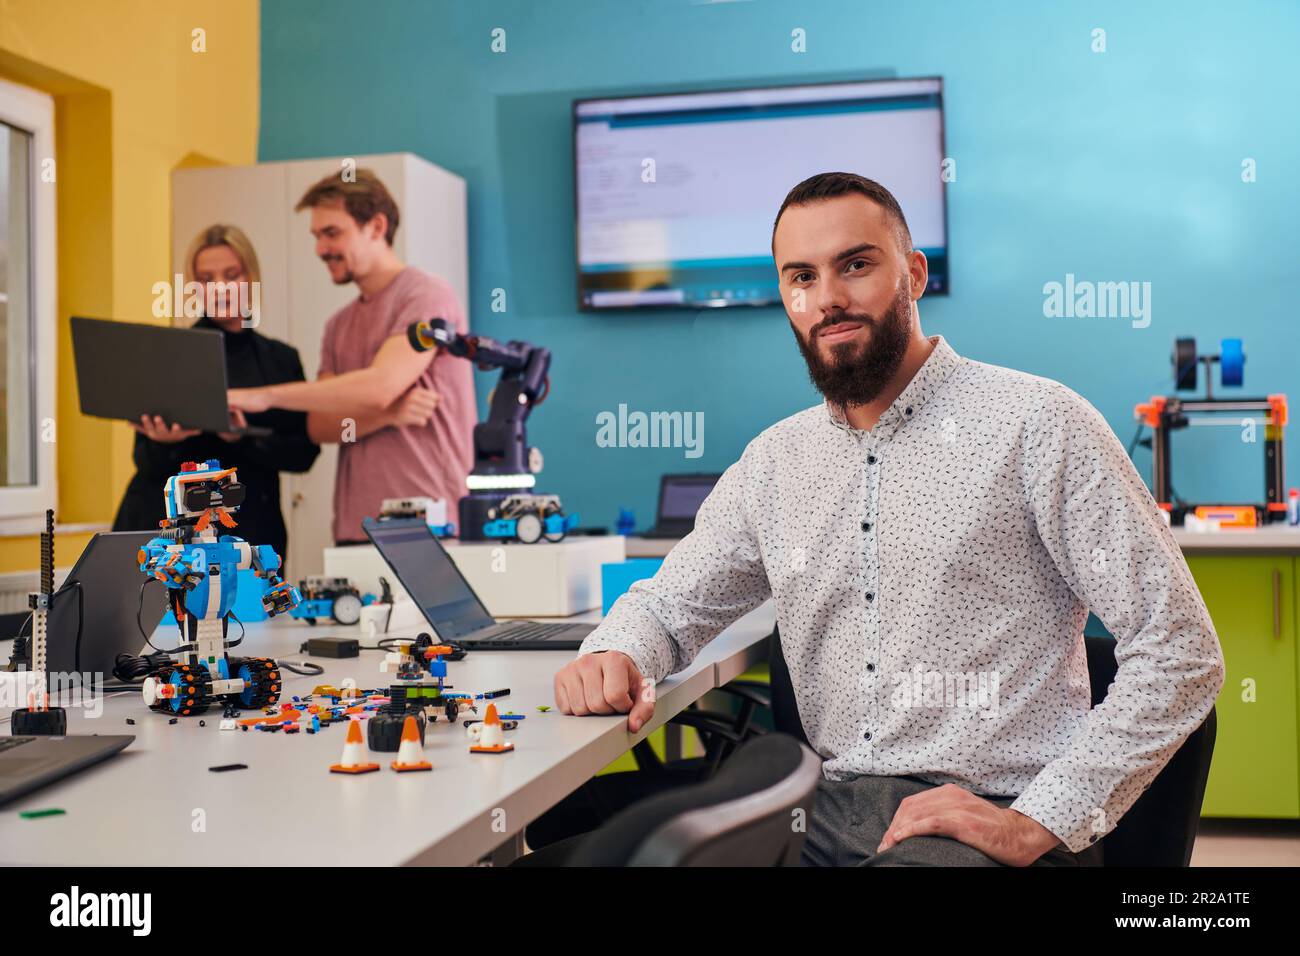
(221, 235)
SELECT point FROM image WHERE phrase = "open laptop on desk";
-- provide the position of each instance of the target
(447, 601)
(27, 763)
(680, 497)
(128, 369)
(100, 616)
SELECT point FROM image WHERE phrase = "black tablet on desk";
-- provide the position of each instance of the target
(127, 370)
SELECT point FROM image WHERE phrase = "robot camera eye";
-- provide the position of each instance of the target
(232, 494)
(198, 496)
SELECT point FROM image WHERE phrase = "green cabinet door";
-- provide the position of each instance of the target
(1252, 601)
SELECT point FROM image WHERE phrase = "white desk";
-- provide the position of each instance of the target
(141, 806)
(1268, 539)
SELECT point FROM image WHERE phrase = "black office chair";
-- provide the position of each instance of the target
(1158, 830)
(720, 732)
(744, 815)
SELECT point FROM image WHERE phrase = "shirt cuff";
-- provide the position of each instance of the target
(1073, 817)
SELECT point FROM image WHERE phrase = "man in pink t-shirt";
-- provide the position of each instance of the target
(403, 419)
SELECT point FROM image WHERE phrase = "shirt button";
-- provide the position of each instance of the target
(866, 526)
(871, 596)
(870, 666)
(871, 459)
(867, 736)
(909, 410)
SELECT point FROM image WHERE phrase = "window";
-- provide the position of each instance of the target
(27, 308)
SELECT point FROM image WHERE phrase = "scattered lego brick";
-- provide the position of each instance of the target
(36, 814)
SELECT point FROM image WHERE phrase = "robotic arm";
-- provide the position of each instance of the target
(501, 502)
(500, 443)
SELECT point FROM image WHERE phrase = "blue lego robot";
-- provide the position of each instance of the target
(198, 567)
(326, 597)
(528, 519)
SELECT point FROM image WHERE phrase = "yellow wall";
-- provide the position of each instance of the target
(133, 101)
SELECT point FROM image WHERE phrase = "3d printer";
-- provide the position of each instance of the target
(1165, 414)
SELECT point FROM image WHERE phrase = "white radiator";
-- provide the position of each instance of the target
(16, 585)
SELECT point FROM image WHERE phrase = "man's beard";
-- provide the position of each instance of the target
(343, 279)
(856, 374)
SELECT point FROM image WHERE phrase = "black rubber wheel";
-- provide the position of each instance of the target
(40, 723)
(1185, 364)
(262, 677)
(196, 686)
(384, 731)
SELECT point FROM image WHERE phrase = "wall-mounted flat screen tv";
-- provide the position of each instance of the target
(676, 193)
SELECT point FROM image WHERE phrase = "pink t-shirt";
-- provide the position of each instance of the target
(402, 462)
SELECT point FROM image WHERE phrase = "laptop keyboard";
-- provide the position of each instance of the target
(8, 743)
(528, 631)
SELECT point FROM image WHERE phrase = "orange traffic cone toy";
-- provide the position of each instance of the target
(410, 753)
(354, 753)
(491, 738)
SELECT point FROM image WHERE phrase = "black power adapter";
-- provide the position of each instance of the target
(333, 647)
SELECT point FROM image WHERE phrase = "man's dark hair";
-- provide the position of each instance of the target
(830, 185)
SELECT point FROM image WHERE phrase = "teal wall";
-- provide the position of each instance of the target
(1123, 165)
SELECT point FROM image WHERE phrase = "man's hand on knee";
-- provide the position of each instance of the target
(606, 682)
(1006, 835)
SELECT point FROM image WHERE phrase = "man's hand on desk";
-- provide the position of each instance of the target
(1006, 835)
(606, 682)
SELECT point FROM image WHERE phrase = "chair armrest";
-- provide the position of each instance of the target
(751, 690)
(702, 722)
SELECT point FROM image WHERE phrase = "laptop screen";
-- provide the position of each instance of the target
(682, 497)
(107, 606)
(429, 576)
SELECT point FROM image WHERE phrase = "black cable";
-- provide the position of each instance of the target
(130, 667)
(178, 649)
(383, 644)
(1136, 435)
(81, 616)
(313, 670)
(242, 632)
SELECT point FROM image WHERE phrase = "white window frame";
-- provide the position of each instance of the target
(22, 509)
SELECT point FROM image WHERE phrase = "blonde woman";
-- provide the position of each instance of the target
(222, 261)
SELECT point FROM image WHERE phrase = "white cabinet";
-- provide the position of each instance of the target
(297, 296)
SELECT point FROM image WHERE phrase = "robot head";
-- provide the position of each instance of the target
(201, 486)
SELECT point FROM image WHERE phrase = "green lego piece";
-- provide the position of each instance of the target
(543, 708)
(34, 814)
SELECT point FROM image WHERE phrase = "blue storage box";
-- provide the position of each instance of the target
(615, 579)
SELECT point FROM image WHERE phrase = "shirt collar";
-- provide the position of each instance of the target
(934, 371)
